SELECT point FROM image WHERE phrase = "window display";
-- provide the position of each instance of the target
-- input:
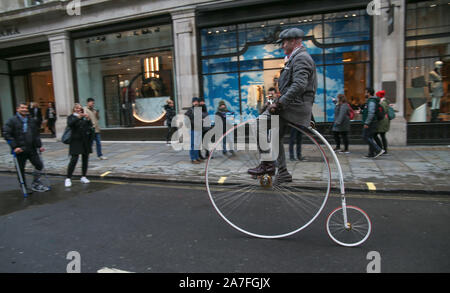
(427, 62)
(241, 62)
(134, 85)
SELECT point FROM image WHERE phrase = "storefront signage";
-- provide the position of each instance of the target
(6, 32)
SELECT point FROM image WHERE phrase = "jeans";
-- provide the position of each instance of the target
(73, 163)
(196, 138)
(98, 144)
(295, 139)
(337, 138)
(34, 159)
(367, 135)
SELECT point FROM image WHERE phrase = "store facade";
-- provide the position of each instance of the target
(131, 56)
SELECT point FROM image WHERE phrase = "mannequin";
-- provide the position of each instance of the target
(436, 89)
(128, 96)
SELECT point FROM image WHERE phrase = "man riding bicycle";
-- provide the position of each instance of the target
(297, 84)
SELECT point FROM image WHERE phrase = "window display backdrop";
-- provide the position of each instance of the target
(427, 44)
(130, 75)
(241, 62)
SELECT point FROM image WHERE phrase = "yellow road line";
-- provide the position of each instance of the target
(371, 186)
(105, 174)
(222, 180)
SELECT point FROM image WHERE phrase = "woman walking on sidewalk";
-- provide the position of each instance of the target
(81, 142)
(341, 125)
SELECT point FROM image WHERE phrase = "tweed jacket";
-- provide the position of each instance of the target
(298, 85)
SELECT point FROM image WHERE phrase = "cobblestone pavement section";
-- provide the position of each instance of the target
(413, 168)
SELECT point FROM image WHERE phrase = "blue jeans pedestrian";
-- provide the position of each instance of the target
(98, 144)
(367, 135)
(196, 137)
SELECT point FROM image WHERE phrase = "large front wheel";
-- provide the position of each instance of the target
(261, 206)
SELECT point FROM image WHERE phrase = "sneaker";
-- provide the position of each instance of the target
(337, 149)
(103, 158)
(68, 182)
(195, 162)
(302, 158)
(346, 152)
(368, 157)
(379, 154)
(39, 187)
(84, 180)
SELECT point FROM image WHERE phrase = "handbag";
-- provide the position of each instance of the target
(67, 135)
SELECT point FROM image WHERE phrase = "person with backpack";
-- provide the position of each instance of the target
(384, 124)
(372, 111)
(341, 125)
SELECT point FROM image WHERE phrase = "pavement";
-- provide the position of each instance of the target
(411, 169)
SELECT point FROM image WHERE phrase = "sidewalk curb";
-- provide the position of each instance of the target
(382, 188)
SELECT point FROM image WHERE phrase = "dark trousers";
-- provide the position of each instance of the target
(34, 159)
(337, 138)
(367, 135)
(383, 142)
(295, 140)
(170, 131)
(73, 163)
(51, 125)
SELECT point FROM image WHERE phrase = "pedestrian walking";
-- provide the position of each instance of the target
(383, 125)
(50, 116)
(370, 124)
(341, 124)
(94, 116)
(205, 128)
(35, 113)
(80, 143)
(196, 132)
(169, 107)
(223, 112)
(22, 134)
(297, 84)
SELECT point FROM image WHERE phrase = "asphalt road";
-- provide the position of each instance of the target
(156, 227)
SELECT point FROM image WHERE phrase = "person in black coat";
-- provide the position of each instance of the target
(80, 143)
(169, 107)
(36, 113)
(22, 134)
(50, 116)
(222, 111)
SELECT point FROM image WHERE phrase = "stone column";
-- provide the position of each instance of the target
(185, 43)
(388, 60)
(62, 78)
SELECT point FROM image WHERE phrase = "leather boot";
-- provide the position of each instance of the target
(283, 176)
(263, 168)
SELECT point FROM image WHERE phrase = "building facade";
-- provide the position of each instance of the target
(132, 56)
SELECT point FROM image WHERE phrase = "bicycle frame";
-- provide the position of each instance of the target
(341, 176)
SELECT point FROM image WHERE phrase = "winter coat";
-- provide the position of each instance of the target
(170, 113)
(14, 135)
(341, 118)
(383, 125)
(82, 135)
(190, 114)
(298, 84)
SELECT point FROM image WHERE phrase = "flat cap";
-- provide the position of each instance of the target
(290, 33)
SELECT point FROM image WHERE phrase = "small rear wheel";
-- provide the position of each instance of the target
(351, 233)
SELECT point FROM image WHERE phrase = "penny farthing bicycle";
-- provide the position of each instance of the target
(261, 207)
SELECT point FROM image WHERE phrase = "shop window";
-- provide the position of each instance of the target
(130, 75)
(339, 43)
(427, 42)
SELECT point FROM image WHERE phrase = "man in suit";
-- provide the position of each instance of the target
(297, 85)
